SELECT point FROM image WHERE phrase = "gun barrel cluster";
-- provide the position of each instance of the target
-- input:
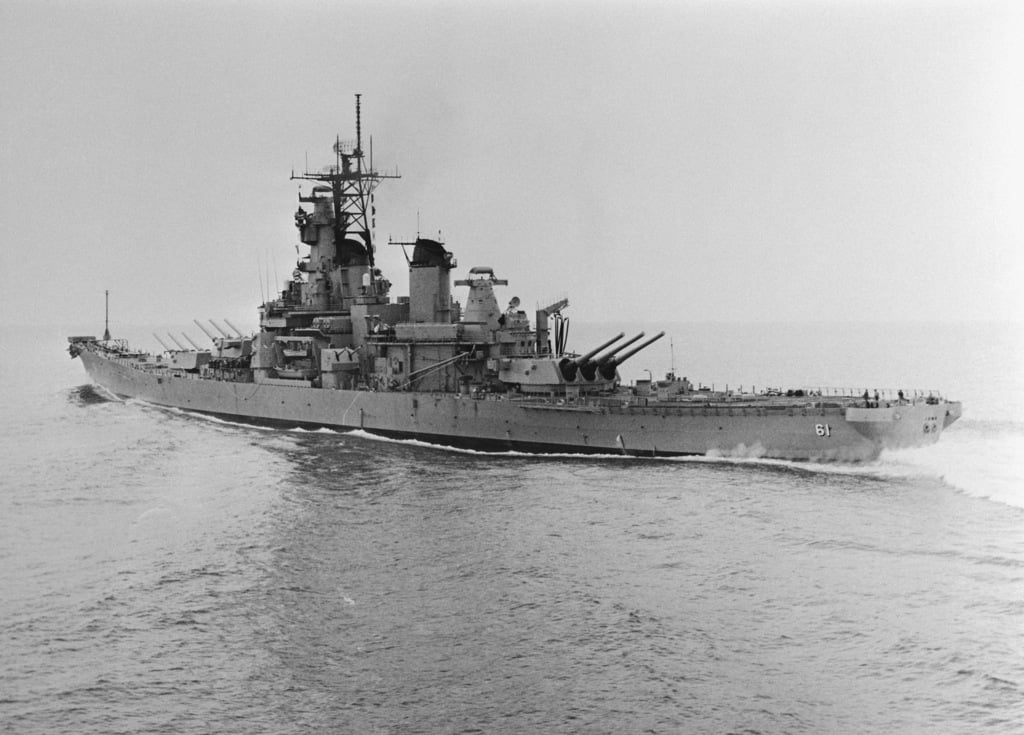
(605, 365)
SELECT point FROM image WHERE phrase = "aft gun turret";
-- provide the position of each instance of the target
(181, 347)
(609, 365)
(569, 366)
(162, 343)
(191, 342)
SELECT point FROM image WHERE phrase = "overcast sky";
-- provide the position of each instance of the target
(656, 162)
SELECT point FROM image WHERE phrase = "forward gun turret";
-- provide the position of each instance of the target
(589, 369)
(569, 366)
(609, 365)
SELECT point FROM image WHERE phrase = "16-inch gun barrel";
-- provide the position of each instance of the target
(589, 369)
(608, 367)
(569, 366)
(611, 355)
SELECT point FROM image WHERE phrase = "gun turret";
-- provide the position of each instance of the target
(611, 364)
(191, 342)
(205, 330)
(162, 343)
(589, 369)
(569, 366)
(237, 330)
(219, 329)
(180, 345)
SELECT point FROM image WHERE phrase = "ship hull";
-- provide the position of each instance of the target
(499, 423)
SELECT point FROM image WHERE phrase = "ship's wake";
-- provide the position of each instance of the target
(983, 459)
(480, 453)
(976, 459)
(90, 395)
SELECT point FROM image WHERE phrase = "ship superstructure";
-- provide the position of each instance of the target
(335, 325)
(334, 349)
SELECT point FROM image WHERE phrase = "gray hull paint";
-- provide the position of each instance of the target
(493, 423)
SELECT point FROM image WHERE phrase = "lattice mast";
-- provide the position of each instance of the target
(352, 184)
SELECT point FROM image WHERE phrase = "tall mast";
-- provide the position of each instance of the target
(106, 316)
(352, 185)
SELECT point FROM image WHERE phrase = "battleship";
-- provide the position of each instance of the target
(335, 350)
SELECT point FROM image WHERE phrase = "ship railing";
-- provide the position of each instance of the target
(381, 337)
(881, 396)
(874, 398)
(812, 395)
(281, 306)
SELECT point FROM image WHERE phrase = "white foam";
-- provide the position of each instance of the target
(979, 459)
(109, 395)
(505, 453)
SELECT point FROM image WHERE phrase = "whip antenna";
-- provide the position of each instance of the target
(106, 317)
(359, 129)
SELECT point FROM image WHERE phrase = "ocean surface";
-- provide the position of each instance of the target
(167, 573)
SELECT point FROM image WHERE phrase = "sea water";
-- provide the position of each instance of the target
(163, 572)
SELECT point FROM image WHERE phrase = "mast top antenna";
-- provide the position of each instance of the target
(359, 130)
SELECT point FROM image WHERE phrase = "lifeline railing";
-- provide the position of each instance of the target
(871, 396)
